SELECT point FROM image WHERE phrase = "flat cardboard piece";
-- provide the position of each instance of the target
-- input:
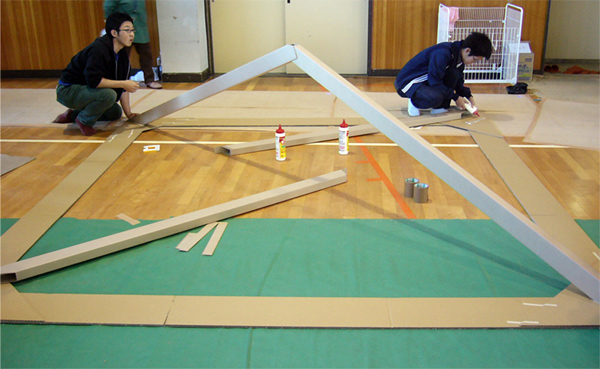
(191, 239)
(289, 312)
(571, 305)
(567, 123)
(128, 219)
(9, 163)
(15, 308)
(120, 241)
(26, 231)
(304, 312)
(101, 309)
(214, 239)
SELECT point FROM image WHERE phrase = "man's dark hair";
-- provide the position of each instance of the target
(114, 22)
(479, 44)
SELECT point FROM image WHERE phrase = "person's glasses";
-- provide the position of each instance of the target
(128, 30)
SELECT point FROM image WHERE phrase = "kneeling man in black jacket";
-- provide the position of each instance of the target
(97, 77)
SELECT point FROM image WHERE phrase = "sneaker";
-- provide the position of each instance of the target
(413, 111)
(439, 111)
(85, 129)
(66, 117)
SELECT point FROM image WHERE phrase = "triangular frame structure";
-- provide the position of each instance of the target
(562, 259)
(557, 255)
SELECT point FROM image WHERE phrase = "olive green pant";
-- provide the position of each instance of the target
(90, 104)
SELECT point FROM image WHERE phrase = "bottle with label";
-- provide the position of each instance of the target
(280, 144)
(344, 131)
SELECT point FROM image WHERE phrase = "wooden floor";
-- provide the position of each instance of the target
(181, 178)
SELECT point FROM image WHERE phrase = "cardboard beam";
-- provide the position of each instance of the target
(247, 71)
(106, 245)
(294, 140)
(563, 260)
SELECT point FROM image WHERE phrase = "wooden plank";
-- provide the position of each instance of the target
(106, 245)
(556, 254)
(214, 239)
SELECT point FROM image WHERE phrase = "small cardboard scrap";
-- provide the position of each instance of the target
(214, 239)
(191, 239)
(128, 219)
(9, 162)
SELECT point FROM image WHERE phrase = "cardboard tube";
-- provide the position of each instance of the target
(409, 185)
(420, 192)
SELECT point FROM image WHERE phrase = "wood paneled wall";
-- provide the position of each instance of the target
(402, 28)
(45, 34)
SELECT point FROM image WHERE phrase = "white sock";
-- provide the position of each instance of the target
(413, 111)
(439, 111)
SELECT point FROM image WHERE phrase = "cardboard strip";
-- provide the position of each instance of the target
(301, 312)
(531, 193)
(532, 236)
(15, 308)
(248, 71)
(26, 231)
(191, 239)
(106, 245)
(571, 305)
(214, 239)
(128, 219)
(9, 163)
(294, 140)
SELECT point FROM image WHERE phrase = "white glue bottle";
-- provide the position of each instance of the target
(344, 130)
(471, 108)
(280, 144)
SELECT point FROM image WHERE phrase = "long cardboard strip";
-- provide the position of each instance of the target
(532, 236)
(214, 239)
(294, 140)
(191, 239)
(305, 312)
(26, 231)
(106, 245)
(15, 308)
(531, 193)
(568, 306)
(247, 71)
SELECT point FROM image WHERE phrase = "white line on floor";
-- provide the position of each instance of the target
(372, 144)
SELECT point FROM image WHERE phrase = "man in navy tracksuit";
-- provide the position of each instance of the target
(97, 77)
(434, 77)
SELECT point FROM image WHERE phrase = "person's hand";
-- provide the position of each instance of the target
(460, 103)
(472, 101)
(131, 115)
(130, 86)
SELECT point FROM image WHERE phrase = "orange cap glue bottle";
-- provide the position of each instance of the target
(344, 131)
(280, 144)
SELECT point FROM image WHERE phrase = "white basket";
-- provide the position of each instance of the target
(501, 25)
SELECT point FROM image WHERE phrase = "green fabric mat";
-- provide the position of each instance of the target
(301, 257)
(307, 257)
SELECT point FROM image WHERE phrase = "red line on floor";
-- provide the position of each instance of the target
(386, 181)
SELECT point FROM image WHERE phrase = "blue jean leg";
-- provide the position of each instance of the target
(90, 104)
(426, 97)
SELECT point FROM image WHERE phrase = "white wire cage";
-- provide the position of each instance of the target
(501, 25)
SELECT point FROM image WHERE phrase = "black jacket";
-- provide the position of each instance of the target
(98, 60)
(439, 65)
